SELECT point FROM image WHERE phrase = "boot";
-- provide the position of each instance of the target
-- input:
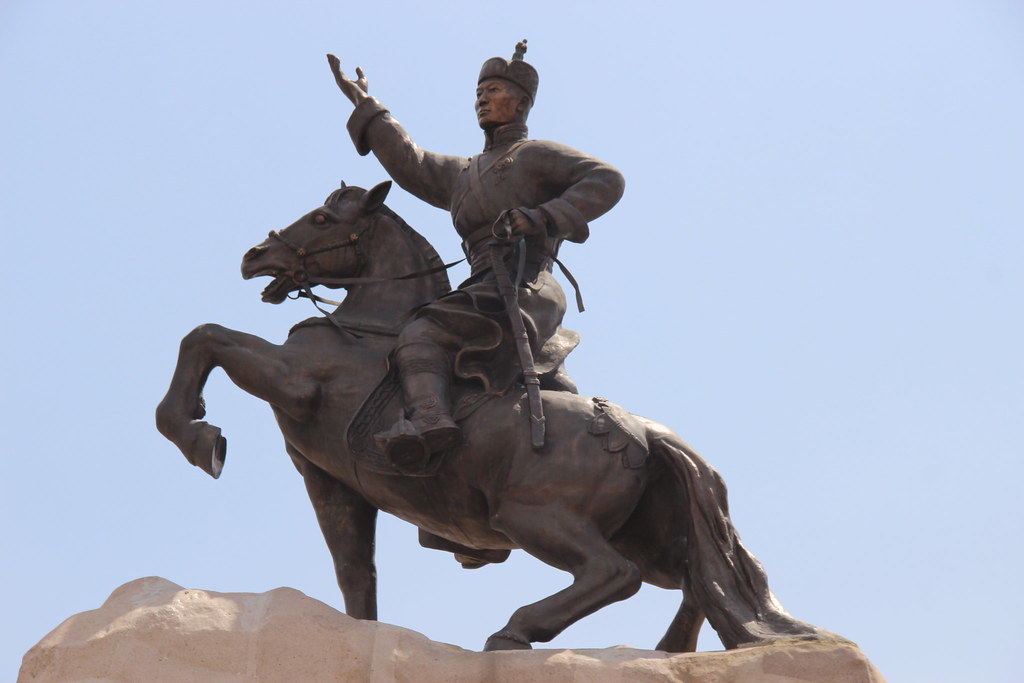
(426, 398)
(424, 370)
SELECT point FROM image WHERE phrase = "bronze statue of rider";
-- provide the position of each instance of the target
(541, 191)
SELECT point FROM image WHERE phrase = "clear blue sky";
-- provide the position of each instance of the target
(814, 277)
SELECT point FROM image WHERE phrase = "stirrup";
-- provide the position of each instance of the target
(410, 450)
(403, 446)
(437, 427)
(442, 437)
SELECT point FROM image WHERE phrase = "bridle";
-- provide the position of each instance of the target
(306, 283)
(301, 275)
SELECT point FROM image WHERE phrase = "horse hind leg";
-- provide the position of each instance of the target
(728, 583)
(572, 543)
(685, 627)
(652, 539)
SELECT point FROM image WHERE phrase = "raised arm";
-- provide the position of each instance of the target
(427, 175)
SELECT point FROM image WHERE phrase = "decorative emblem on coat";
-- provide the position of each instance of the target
(501, 168)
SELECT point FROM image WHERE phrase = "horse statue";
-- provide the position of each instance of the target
(612, 498)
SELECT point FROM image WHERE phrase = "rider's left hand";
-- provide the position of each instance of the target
(526, 222)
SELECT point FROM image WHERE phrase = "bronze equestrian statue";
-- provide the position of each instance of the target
(610, 497)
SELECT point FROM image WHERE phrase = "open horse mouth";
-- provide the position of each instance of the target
(278, 289)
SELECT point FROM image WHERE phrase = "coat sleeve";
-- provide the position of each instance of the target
(584, 188)
(426, 175)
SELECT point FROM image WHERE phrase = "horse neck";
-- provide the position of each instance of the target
(389, 253)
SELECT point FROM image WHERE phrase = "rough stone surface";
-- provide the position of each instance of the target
(153, 630)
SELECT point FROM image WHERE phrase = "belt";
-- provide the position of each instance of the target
(539, 256)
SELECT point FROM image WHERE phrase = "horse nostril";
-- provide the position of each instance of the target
(254, 252)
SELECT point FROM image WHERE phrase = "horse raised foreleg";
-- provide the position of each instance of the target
(570, 542)
(349, 526)
(265, 370)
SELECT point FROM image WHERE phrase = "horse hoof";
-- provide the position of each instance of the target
(208, 449)
(502, 642)
(220, 450)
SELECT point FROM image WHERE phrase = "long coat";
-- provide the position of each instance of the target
(561, 187)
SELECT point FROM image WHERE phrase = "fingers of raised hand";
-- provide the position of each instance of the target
(361, 79)
(339, 75)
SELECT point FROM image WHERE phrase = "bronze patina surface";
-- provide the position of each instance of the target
(610, 497)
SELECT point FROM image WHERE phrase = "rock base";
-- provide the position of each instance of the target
(156, 631)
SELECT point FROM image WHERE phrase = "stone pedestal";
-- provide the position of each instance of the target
(156, 631)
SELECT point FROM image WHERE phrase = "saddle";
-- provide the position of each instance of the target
(378, 413)
(611, 423)
(384, 404)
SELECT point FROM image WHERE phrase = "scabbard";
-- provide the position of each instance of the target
(510, 297)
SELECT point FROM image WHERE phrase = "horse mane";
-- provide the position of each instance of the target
(442, 285)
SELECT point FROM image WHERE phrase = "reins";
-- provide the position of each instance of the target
(306, 283)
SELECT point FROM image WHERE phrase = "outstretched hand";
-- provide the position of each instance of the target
(356, 91)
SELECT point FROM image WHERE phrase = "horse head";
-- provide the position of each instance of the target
(325, 243)
(353, 241)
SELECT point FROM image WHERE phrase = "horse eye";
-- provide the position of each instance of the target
(319, 219)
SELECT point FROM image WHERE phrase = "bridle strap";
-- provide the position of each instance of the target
(504, 220)
(307, 292)
(572, 281)
(306, 283)
(345, 281)
(302, 252)
(353, 241)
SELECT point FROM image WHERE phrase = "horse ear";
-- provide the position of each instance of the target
(374, 198)
(342, 185)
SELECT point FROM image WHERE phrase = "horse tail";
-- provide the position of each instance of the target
(725, 581)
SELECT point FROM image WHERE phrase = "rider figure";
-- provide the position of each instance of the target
(545, 193)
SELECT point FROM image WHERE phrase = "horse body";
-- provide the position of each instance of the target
(611, 498)
(475, 478)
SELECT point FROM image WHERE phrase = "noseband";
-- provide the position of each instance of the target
(301, 275)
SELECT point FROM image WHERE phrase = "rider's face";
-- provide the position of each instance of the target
(499, 102)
